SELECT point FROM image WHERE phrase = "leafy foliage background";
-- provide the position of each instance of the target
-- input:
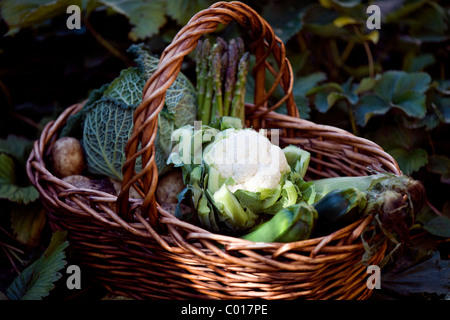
(390, 85)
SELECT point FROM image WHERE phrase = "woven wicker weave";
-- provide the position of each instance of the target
(143, 252)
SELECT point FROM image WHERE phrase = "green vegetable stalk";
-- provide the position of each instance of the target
(217, 110)
(202, 52)
(221, 71)
(293, 223)
(238, 102)
(230, 78)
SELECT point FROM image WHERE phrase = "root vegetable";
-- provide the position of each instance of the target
(118, 186)
(172, 207)
(169, 186)
(83, 182)
(67, 157)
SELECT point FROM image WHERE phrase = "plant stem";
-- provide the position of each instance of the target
(368, 52)
(347, 50)
(106, 44)
(11, 261)
(27, 120)
(352, 119)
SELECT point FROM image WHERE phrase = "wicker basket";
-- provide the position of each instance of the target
(144, 252)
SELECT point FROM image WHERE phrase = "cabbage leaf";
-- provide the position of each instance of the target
(107, 117)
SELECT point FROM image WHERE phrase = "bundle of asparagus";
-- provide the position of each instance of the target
(221, 78)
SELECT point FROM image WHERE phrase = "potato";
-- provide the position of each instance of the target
(67, 157)
(169, 186)
(118, 186)
(171, 207)
(84, 182)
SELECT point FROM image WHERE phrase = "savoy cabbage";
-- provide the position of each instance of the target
(107, 117)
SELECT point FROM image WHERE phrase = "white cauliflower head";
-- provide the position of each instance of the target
(249, 158)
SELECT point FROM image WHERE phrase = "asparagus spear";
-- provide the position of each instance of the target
(240, 46)
(209, 91)
(217, 110)
(202, 73)
(238, 102)
(198, 62)
(221, 77)
(230, 76)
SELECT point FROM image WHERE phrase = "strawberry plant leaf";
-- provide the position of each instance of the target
(413, 63)
(393, 84)
(27, 222)
(304, 84)
(439, 226)
(431, 276)
(409, 161)
(366, 84)
(440, 165)
(412, 103)
(37, 280)
(321, 95)
(17, 147)
(183, 10)
(20, 14)
(285, 26)
(405, 91)
(369, 106)
(9, 187)
(146, 17)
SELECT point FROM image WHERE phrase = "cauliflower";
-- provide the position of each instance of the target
(249, 158)
(242, 177)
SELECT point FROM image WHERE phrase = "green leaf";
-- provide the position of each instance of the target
(301, 88)
(27, 222)
(439, 226)
(37, 280)
(409, 161)
(306, 83)
(394, 83)
(17, 147)
(9, 187)
(147, 17)
(401, 10)
(366, 84)
(303, 106)
(183, 10)
(322, 92)
(319, 21)
(285, 26)
(429, 23)
(424, 278)
(19, 14)
(127, 87)
(412, 103)
(434, 223)
(404, 91)
(414, 63)
(344, 21)
(441, 165)
(347, 3)
(369, 106)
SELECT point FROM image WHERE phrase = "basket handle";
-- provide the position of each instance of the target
(145, 118)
